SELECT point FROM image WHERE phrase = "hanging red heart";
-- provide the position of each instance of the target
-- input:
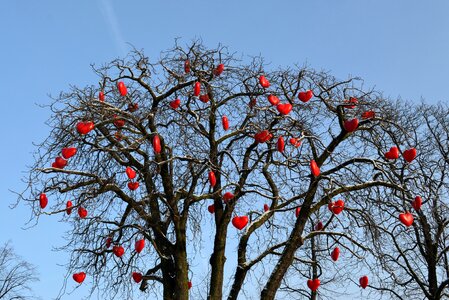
(197, 89)
(263, 136)
(82, 212)
(406, 219)
(101, 96)
(175, 103)
(417, 203)
(108, 242)
(157, 144)
(409, 155)
(204, 98)
(266, 207)
(368, 114)
(211, 208)
(335, 254)
(122, 88)
(133, 185)
(130, 173)
(68, 152)
(280, 144)
(84, 127)
(240, 222)
(137, 277)
(351, 103)
(297, 211)
(264, 82)
(228, 196)
(363, 281)
(43, 200)
(189, 285)
(187, 66)
(60, 162)
(319, 226)
(140, 244)
(252, 102)
(305, 96)
(68, 207)
(225, 122)
(284, 109)
(118, 122)
(79, 277)
(132, 107)
(274, 100)
(351, 125)
(393, 153)
(219, 69)
(212, 178)
(295, 142)
(313, 284)
(314, 168)
(118, 251)
(337, 206)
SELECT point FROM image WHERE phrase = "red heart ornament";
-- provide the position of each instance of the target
(137, 277)
(132, 107)
(351, 103)
(197, 89)
(157, 144)
(228, 196)
(297, 211)
(225, 122)
(130, 173)
(84, 127)
(60, 162)
(368, 114)
(335, 254)
(189, 285)
(240, 222)
(274, 100)
(79, 277)
(363, 281)
(314, 168)
(122, 88)
(351, 125)
(319, 226)
(108, 242)
(43, 200)
(68, 207)
(337, 206)
(409, 155)
(82, 212)
(393, 153)
(280, 144)
(263, 136)
(313, 284)
(139, 245)
(187, 66)
(266, 207)
(212, 178)
(175, 103)
(68, 152)
(295, 142)
(118, 122)
(211, 208)
(118, 251)
(284, 109)
(406, 219)
(219, 69)
(204, 98)
(305, 96)
(133, 185)
(101, 96)
(264, 82)
(417, 203)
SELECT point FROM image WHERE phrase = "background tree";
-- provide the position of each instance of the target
(212, 141)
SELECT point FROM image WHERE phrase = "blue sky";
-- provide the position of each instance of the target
(400, 47)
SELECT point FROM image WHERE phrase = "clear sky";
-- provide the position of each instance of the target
(401, 47)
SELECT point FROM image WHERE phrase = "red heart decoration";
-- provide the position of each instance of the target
(305, 96)
(212, 178)
(219, 69)
(266, 207)
(137, 277)
(82, 212)
(108, 242)
(157, 144)
(122, 88)
(175, 103)
(225, 122)
(68, 207)
(368, 114)
(335, 254)
(274, 100)
(189, 285)
(133, 185)
(319, 226)
(406, 219)
(409, 155)
(227, 197)
(101, 96)
(132, 107)
(314, 168)
(297, 211)
(139, 245)
(68, 152)
(84, 127)
(197, 89)
(60, 162)
(130, 173)
(204, 98)
(393, 153)
(264, 82)
(351, 125)
(337, 206)
(313, 284)
(119, 122)
(295, 142)
(240, 222)
(118, 251)
(187, 66)
(79, 277)
(43, 200)
(363, 281)
(417, 203)
(263, 136)
(352, 103)
(211, 208)
(280, 144)
(252, 103)
(284, 109)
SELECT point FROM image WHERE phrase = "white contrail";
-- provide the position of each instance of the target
(109, 14)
